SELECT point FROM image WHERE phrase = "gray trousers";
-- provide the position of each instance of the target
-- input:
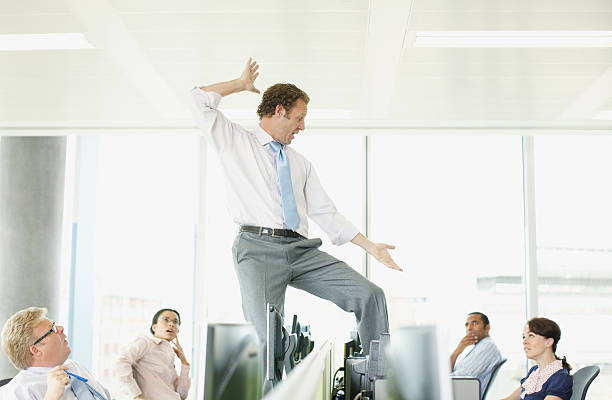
(265, 265)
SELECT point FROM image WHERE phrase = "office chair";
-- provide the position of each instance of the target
(582, 380)
(493, 375)
(4, 381)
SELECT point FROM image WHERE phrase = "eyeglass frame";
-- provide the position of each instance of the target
(167, 320)
(52, 330)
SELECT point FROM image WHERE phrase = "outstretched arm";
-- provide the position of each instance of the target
(377, 250)
(245, 82)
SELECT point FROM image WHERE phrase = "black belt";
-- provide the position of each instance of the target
(270, 231)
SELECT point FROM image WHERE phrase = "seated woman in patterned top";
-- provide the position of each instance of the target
(550, 378)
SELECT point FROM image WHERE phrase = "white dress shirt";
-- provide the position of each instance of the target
(147, 367)
(31, 383)
(252, 185)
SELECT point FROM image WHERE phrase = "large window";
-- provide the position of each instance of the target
(574, 247)
(135, 214)
(453, 208)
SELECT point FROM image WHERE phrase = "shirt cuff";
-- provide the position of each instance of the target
(185, 369)
(132, 389)
(211, 99)
(347, 234)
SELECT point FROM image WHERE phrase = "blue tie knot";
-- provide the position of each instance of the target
(276, 146)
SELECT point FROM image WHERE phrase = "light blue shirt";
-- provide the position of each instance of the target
(479, 362)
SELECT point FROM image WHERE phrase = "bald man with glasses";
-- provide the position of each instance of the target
(38, 348)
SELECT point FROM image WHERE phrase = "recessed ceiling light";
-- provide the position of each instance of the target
(513, 39)
(44, 41)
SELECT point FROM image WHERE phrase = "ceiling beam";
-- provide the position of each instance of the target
(591, 101)
(387, 22)
(106, 31)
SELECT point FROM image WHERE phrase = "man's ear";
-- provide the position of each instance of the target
(35, 351)
(279, 110)
(487, 328)
(154, 327)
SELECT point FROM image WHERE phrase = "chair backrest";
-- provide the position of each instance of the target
(465, 388)
(582, 380)
(493, 375)
(5, 381)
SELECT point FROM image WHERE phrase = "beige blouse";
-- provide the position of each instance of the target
(147, 367)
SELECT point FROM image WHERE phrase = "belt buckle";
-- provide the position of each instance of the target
(273, 234)
(267, 231)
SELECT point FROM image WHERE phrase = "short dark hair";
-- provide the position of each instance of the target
(484, 318)
(157, 314)
(283, 94)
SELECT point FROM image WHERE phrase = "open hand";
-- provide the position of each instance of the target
(381, 253)
(249, 75)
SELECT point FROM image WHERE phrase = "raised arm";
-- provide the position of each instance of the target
(246, 81)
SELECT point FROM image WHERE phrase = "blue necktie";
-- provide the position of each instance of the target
(84, 391)
(286, 189)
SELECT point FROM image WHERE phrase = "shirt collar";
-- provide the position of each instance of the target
(39, 370)
(537, 378)
(155, 339)
(483, 340)
(263, 137)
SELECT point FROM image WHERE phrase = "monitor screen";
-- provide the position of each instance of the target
(417, 364)
(234, 365)
(275, 346)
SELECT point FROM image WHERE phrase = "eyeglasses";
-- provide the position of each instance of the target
(168, 320)
(52, 330)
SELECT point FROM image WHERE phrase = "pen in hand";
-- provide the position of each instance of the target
(76, 376)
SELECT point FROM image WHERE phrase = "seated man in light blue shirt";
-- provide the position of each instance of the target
(483, 357)
(39, 349)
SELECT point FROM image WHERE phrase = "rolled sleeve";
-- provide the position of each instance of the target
(218, 130)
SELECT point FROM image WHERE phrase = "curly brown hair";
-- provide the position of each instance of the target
(283, 94)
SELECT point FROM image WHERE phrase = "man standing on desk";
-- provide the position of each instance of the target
(272, 189)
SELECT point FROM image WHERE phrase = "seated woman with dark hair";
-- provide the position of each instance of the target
(550, 378)
(146, 368)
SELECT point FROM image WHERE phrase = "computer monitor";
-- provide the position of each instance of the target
(304, 344)
(418, 365)
(284, 349)
(275, 347)
(234, 365)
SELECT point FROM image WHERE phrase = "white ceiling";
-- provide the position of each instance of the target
(354, 58)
